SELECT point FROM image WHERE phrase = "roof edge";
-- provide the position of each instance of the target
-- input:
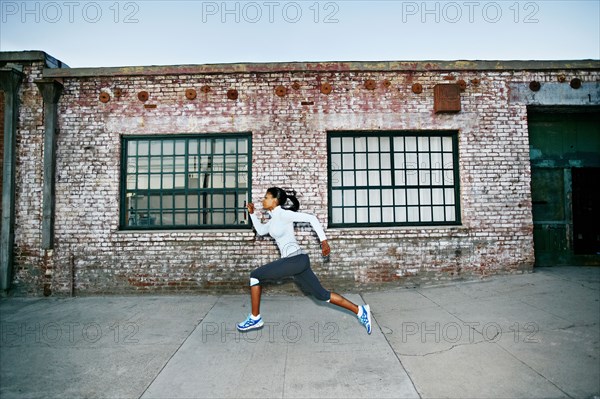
(31, 56)
(327, 66)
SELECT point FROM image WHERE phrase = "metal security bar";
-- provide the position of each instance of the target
(178, 182)
(395, 179)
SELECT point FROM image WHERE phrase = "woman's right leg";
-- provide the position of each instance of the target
(255, 292)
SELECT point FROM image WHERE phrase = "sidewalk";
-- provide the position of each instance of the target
(524, 336)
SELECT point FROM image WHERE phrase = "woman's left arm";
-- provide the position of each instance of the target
(317, 227)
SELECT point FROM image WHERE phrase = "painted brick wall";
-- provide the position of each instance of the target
(289, 147)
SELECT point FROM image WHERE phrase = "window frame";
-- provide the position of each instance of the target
(186, 190)
(453, 134)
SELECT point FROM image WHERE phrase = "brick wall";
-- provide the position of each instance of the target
(30, 260)
(1, 138)
(289, 149)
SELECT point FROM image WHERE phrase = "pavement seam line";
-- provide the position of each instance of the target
(393, 351)
(531, 368)
(178, 348)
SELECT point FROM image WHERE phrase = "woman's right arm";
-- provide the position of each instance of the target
(261, 229)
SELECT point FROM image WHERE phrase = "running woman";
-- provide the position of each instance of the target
(294, 261)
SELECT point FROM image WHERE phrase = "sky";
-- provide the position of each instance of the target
(98, 33)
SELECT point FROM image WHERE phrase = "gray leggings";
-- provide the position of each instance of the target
(298, 267)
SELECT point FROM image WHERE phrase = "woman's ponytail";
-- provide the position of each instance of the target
(283, 196)
(295, 203)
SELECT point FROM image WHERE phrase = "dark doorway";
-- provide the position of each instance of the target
(586, 211)
(565, 172)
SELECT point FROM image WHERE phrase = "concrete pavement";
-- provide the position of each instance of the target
(525, 336)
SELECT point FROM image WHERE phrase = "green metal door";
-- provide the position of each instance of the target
(565, 155)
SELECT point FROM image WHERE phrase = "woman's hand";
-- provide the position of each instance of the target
(325, 249)
(250, 207)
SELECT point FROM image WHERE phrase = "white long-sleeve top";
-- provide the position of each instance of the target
(281, 228)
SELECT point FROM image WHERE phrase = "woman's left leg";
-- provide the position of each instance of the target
(309, 282)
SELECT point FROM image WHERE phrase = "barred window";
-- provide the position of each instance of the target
(397, 178)
(185, 181)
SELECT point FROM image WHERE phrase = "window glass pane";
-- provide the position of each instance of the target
(348, 178)
(412, 196)
(400, 214)
(423, 144)
(447, 144)
(373, 144)
(448, 160)
(155, 181)
(411, 161)
(410, 143)
(361, 178)
(168, 147)
(438, 213)
(413, 213)
(337, 215)
(143, 147)
(132, 148)
(412, 178)
(348, 161)
(180, 164)
(399, 144)
(374, 198)
(155, 202)
(348, 144)
(449, 196)
(336, 144)
(387, 197)
(167, 201)
(374, 178)
(425, 197)
(361, 144)
(168, 164)
(450, 213)
(131, 182)
(336, 199)
(385, 161)
(384, 143)
(400, 176)
(219, 148)
(424, 160)
(436, 143)
(336, 162)
(374, 215)
(242, 146)
(361, 161)
(386, 178)
(362, 215)
(437, 177)
(231, 146)
(362, 197)
(448, 177)
(400, 197)
(436, 160)
(349, 198)
(388, 215)
(155, 147)
(426, 214)
(142, 166)
(349, 215)
(437, 196)
(425, 177)
(167, 182)
(373, 161)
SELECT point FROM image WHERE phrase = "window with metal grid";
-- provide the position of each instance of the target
(395, 178)
(178, 182)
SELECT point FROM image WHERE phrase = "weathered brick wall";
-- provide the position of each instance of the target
(30, 261)
(289, 149)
